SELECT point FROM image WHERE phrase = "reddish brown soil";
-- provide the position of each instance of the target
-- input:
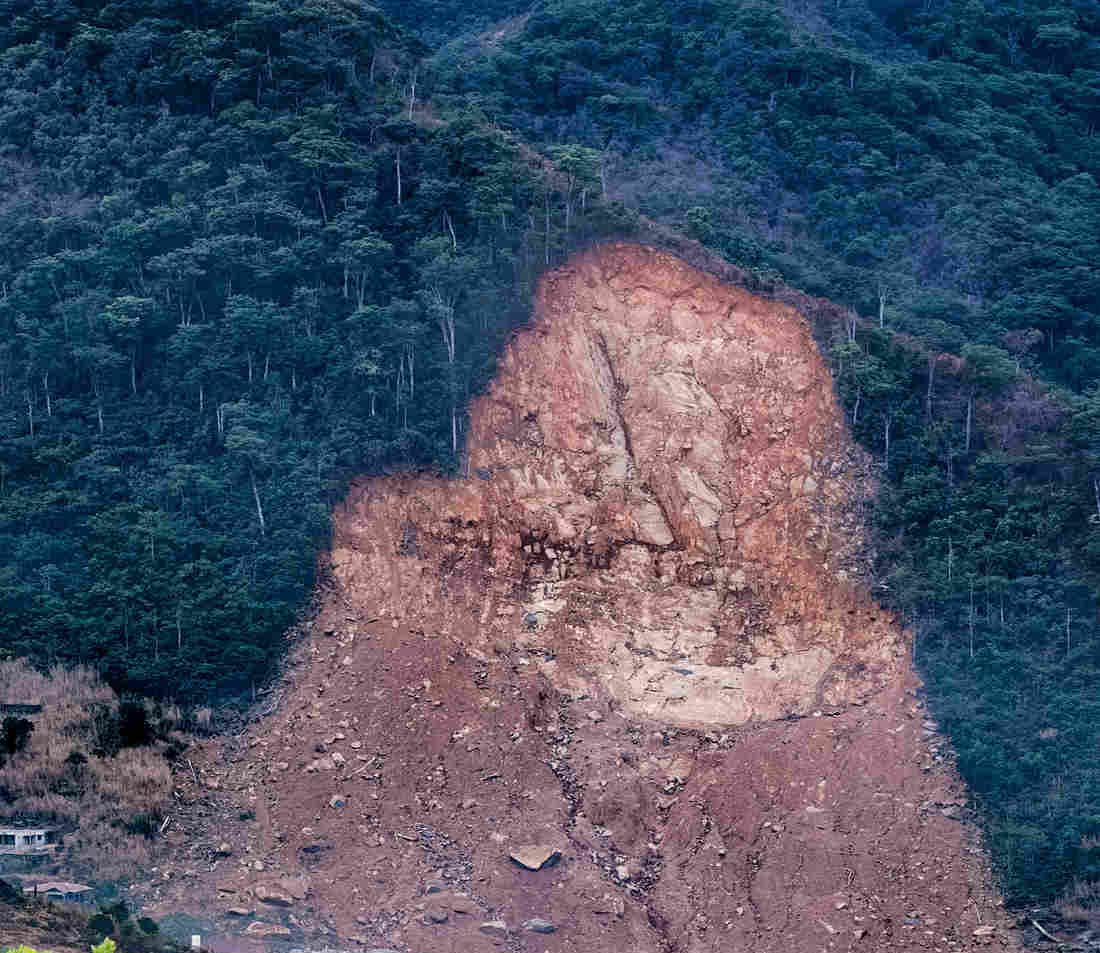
(637, 633)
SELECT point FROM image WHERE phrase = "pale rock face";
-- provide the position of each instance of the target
(669, 508)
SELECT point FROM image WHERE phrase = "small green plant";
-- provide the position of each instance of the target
(107, 946)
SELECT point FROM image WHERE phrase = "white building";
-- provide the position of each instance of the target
(27, 840)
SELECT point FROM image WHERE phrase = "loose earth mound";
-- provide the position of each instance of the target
(636, 634)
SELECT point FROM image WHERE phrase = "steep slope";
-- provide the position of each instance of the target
(636, 633)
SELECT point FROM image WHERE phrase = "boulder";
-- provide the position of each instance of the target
(535, 856)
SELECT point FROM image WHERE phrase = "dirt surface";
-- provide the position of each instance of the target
(637, 637)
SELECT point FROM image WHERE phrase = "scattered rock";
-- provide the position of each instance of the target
(273, 896)
(463, 904)
(986, 930)
(494, 928)
(338, 801)
(240, 912)
(539, 925)
(535, 856)
(261, 929)
(296, 887)
(223, 850)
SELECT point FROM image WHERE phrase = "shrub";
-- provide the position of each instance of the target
(14, 734)
(134, 730)
(101, 925)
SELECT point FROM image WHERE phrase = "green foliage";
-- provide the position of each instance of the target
(986, 531)
(245, 267)
(101, 925)
(869, 152)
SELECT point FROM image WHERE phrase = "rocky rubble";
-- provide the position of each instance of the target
(620, 688)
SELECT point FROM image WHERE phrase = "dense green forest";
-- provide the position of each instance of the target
(243, 260)
(252, 248)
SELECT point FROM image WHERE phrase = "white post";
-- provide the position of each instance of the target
(196, 941)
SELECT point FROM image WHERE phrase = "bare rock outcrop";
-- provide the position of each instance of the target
(636, 638)
(661, 491)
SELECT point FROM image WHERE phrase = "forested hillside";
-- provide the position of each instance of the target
(243, 259)
(253, 248)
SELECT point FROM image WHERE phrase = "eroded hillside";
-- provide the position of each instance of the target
(636, 633)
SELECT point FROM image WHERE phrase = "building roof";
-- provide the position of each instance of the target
(57, 886)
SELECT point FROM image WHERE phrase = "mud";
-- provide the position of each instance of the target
(638, 632)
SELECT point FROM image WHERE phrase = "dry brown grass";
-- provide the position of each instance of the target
(69, 774)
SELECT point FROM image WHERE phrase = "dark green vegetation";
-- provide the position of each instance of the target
(242, 261)
(48, 925)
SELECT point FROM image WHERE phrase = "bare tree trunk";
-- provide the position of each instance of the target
(931, 380)
(970, 620)
(259, 507)
(398, 164)
(969, 417)
(46, 391)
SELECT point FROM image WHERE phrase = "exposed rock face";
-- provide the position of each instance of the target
(593, 643)
(662, 489)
